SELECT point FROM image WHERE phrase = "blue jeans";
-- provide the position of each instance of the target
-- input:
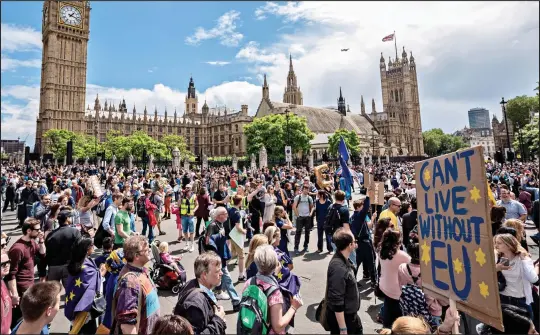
(227, 285)
(146, 225)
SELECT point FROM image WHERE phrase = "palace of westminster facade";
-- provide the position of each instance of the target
(213, 131)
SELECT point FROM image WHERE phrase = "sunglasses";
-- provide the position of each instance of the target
(3, 245)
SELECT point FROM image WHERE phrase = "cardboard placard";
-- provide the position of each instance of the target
(95, 185)
(456, 245)
(376, 193)
(368, 179)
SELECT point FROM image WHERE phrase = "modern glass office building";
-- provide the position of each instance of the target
(479, 118)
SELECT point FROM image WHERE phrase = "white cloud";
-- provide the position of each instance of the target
(461, 49)
(225, 31)
(10, 64)
(218, 63)
(16, 38)
(20, 104)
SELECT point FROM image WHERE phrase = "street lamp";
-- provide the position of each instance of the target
(503, 104)
(95, 139)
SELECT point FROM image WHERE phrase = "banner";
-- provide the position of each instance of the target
(376, 193)
(456, 247)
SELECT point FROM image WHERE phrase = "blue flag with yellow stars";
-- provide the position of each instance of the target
(81, 289)
(287, 281)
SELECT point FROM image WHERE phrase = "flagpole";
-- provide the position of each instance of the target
(395, 43)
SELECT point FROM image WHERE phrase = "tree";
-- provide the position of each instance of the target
(518, 109)
(172, 141)
(351, 141)
(271, 131)
(117, 144)
(530, 136)
(140, 141)
(56, 141)
(437, 143)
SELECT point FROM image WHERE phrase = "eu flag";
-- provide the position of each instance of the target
(342, 149)
(81, 289)
(287, 281)
(345, 172)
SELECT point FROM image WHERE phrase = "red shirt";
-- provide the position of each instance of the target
(6, 309)
(21, 255)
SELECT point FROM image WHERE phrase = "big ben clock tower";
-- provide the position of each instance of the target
(65, 33)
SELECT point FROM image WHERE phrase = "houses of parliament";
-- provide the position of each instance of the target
(213, 131)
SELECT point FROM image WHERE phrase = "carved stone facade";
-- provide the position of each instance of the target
(215, 131)
(400, 120)
(499, 133)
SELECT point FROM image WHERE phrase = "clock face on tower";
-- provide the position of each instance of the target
(70, 15)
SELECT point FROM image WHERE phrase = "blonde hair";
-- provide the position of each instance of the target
(256, 241)
(270, 233)
(164, 247)
(278, 210)
(408, 325)
(512, 243)
(517, 225)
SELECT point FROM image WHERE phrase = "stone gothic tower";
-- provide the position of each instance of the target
(292, 94)
(400, 120)
(341, 104)
(265, 89)
(65, 34)
(192, 101)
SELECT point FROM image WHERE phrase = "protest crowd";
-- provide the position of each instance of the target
(79, 247)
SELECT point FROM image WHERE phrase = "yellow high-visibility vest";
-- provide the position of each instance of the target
(184, 206)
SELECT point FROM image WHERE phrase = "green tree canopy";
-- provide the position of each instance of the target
(437, 143)
(172, 141)
(271, 131)
(56, 143)
(518, 109)
(351, 141)
(530, 136)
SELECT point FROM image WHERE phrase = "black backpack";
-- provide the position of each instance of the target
(142, 212)
(333, 219)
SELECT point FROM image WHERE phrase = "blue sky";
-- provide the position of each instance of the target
(467, 54)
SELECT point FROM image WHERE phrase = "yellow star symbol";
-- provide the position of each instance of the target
(475, 194)
(427, 175)
(480, 257)
(282, 262)
(280, 275)
(78, 282)
(484, 289)
(83, 266)
(67, 299)
(71, 295)
(458, 266)
(425, 253)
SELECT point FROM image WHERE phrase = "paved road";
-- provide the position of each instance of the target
(310, 267)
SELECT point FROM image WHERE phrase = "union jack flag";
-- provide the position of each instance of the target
(388, 38)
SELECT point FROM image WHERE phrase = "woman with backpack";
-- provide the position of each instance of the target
(266, 261)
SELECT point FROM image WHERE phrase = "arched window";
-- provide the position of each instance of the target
(400, 94)
(391, 95)
(396, 95)
(236, 128)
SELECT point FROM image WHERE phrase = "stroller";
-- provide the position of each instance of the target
(164, 275)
